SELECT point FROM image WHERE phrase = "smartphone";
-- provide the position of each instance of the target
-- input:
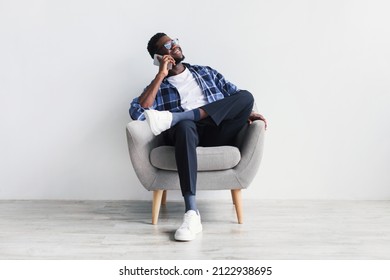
(156, 61)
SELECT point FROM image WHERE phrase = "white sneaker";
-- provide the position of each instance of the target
(190, 227)
(158, 121)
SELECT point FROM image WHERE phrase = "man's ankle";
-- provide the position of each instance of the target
(190, 202)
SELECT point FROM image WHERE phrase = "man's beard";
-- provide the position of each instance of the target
(179, 60)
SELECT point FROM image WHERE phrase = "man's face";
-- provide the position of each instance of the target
(174, 50)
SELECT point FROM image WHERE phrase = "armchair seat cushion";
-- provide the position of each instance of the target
(209, 158)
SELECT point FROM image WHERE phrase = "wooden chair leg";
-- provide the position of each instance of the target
(157, 196)
(236, 194)
(232, 197)
(164, 198)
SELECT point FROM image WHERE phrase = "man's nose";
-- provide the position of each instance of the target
(174, 46)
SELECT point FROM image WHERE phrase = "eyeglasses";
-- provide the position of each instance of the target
(168, 45)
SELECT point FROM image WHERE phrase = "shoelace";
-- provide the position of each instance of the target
(186, 222)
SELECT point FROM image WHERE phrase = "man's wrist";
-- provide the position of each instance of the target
(160, 76)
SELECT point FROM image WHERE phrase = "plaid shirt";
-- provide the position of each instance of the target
(212, 84)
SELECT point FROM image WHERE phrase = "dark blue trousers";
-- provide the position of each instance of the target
(226, 118)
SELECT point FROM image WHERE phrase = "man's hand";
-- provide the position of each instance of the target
(256, 116)
(164, 62)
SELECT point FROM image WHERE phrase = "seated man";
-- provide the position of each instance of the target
(191, 106)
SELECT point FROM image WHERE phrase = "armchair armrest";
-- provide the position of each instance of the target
(141, 141)
(250, 142)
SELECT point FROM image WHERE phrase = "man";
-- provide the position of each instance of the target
(191, 106)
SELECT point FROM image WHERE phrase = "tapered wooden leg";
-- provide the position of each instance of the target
(157, 195)
(238, 203)
(164, 198)
(232, 197)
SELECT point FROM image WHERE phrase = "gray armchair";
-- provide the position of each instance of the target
(219, 168)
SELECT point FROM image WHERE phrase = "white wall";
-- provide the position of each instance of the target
(319, 71)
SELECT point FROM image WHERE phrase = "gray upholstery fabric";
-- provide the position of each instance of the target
(209, 158)
(141, 142)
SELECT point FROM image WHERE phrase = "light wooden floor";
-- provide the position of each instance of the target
(122, 230)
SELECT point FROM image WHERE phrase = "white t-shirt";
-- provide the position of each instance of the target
(190, 92)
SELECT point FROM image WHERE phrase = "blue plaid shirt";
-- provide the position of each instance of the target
(212, 84)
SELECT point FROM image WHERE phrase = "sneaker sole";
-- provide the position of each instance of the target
(189, 238)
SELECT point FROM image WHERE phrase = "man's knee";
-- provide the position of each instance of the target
(185, 125)
(246, 97)
(185, 129)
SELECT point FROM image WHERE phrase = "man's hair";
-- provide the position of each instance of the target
(152, 48)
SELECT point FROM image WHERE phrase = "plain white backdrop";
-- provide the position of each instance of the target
(319, 71)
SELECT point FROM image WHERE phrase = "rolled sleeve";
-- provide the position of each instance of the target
(136, 111)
